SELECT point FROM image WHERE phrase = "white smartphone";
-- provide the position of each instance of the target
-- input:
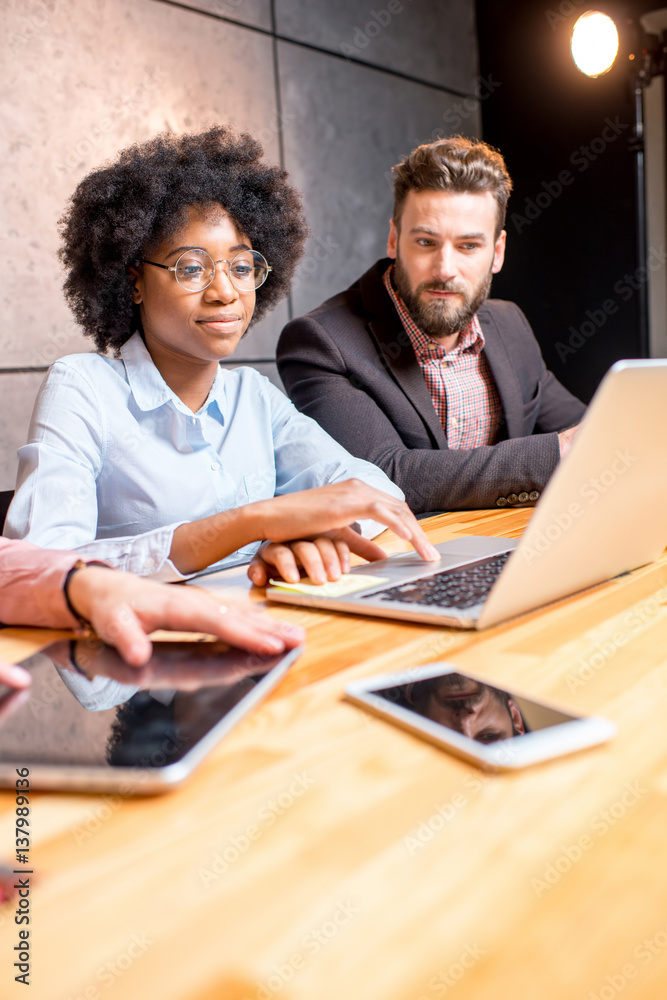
(495, 729)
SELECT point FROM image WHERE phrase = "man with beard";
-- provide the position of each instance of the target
(414, 369)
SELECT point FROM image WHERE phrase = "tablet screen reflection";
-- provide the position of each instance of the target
(86, 706)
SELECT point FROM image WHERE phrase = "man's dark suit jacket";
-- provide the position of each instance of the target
(351, 366)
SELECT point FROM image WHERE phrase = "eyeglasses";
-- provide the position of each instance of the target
(195, 270)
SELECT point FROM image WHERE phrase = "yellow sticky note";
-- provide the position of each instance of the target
(349, 583)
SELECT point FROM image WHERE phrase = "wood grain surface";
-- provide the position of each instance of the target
(320, 853)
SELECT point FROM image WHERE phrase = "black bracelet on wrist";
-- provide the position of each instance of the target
(84, 624)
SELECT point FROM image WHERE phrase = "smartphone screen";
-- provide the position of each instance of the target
(484, 724)
(472, 708)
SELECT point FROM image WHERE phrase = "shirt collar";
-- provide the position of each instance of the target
(149, 389)
(471, 339)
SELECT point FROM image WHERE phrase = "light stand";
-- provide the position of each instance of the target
(647, 58)
(647, 61)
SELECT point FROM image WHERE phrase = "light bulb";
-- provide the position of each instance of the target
(594, 43)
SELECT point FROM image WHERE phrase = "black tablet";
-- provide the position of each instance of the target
(90, 722)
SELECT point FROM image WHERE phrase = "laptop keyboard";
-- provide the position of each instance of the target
(453, 588)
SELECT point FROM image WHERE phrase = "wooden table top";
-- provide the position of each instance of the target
(320, 853)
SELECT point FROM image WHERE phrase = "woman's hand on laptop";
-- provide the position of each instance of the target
(324, 516)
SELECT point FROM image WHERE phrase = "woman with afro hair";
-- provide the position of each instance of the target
(146, 453)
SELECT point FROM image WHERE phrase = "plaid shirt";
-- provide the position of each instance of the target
(460, 382)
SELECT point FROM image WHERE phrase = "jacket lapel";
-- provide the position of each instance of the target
(503, 373)
(395, 350)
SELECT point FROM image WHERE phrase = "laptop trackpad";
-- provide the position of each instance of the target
(455, 553)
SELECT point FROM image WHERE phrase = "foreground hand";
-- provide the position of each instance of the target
(18, 680)
(14, 677)
(122, 608)
(323, 558)
(7, 884)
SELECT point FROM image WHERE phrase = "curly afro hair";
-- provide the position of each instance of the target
(118, 212)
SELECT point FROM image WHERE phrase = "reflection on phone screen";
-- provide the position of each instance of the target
(479, 711)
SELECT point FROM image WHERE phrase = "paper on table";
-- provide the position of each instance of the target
(349, 583)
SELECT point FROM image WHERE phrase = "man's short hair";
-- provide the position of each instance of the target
(456, 165)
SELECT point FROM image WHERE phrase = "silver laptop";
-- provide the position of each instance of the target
(603, 513)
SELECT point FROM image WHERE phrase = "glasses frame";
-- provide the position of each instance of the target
(174, 269)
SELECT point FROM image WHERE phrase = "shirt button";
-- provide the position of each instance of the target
(455, 422)
(501, 502)
(215, 466)
(149, 563)
(512, 498)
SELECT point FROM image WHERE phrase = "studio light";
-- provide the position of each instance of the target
(594, 43)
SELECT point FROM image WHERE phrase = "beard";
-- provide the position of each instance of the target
(440, 318)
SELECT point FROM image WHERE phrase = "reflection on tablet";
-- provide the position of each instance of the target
(87, 709)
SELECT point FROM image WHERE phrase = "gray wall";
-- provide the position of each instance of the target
(337, 90)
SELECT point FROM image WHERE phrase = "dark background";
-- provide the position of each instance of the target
(566, 261)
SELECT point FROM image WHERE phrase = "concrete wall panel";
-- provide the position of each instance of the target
(342, 163)
(17, 392)
(431, 41)
(159, 68)
(253, 12)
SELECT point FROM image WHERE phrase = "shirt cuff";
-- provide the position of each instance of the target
(144, 555)
(369, 529)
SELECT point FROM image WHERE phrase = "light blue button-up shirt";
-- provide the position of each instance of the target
(115, 461)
